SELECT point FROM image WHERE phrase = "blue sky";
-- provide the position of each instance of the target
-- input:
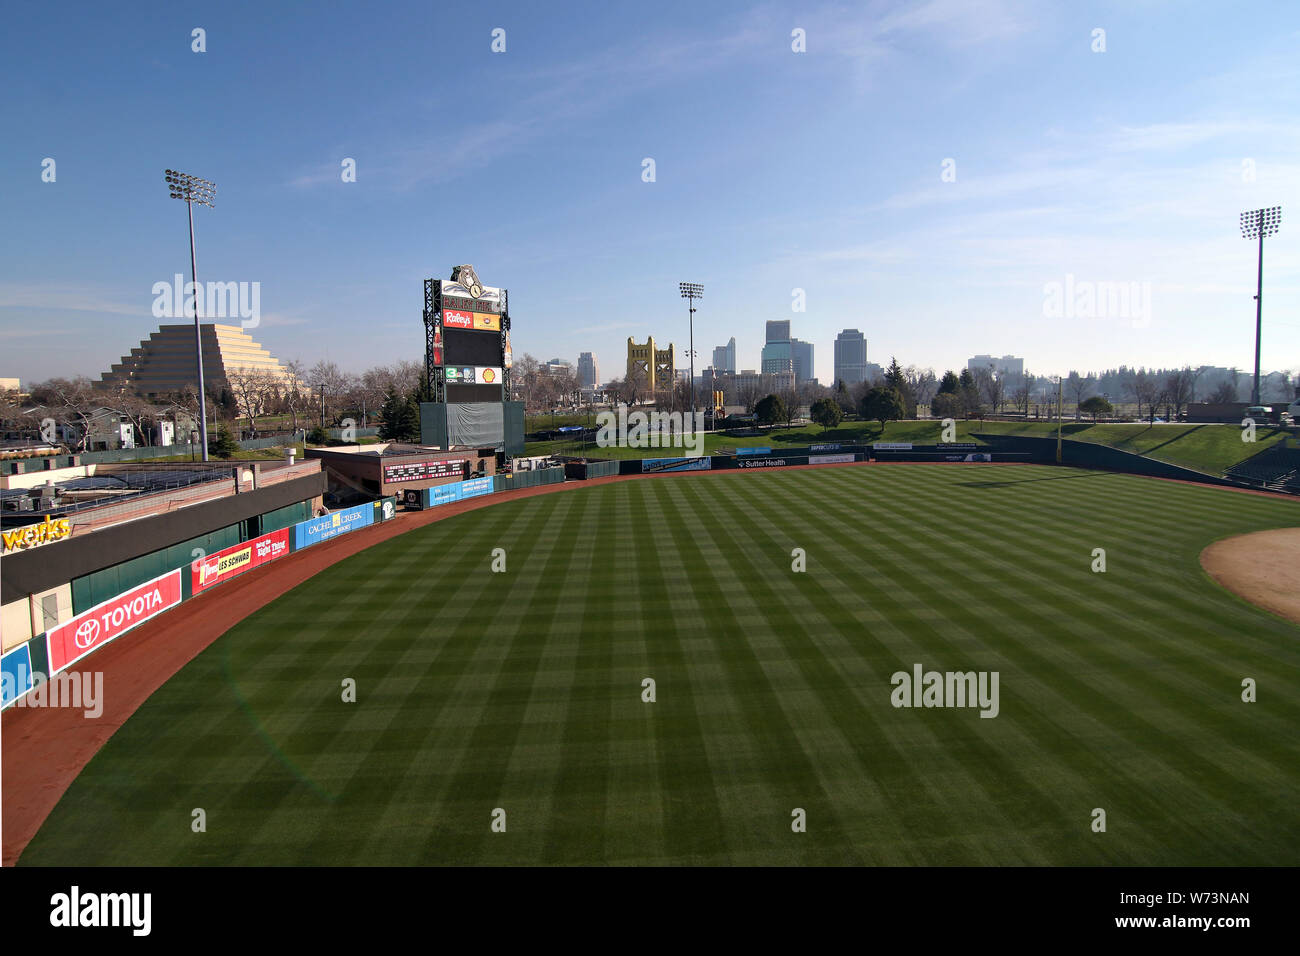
(774, 171)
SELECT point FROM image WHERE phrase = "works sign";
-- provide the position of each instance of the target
(35, 535)
(91, 630)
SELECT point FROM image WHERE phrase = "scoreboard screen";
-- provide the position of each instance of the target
(467, 347)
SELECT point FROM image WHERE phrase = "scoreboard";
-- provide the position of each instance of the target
(469, 349)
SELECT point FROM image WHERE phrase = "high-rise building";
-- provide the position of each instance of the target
(724, 357)
(777, 355)
(654, 368)
(801, 355)
(588, 370)
(850, 357)
(778, 330)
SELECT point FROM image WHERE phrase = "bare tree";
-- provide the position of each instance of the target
(1179, 388)
(292, 392)
(1079, 387)
(747, 396)
(524, 379)
(1023, 393)
(72, 403)
(329, 383)
(990, 386)
(635, 386)
(923, 384)
(1145, 391)
(790, 400)
(139, 414)
(253, 389)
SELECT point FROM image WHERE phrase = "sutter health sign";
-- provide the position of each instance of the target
(92, 629)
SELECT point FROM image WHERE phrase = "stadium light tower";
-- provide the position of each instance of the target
(194, 190)
(691, 291)
(1258, 223)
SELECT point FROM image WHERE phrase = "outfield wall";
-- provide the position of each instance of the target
(151, 584)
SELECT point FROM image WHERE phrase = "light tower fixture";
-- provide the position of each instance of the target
(193, 190)
(692, 291)
(1256, 224)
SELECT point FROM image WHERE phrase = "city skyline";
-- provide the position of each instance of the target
(966, 230)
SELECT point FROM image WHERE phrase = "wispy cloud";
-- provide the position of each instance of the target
(68, 298)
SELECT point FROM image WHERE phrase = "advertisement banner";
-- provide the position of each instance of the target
(413, 499)
(770, 462)
(957, 446)
(235, 560)
(15, 674)
(475, 487)
(829, 459)
(486, 322)
(315, 530)
(753, 450)
(386, 509)
(445, 494)
(892, 445)
(650, 466)
(461, 374)
(91, 630)
(416, 470)
(456, 319)
(833, 446)
(487, 375)
(35, 535)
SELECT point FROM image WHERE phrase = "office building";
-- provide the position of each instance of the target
(850, 357)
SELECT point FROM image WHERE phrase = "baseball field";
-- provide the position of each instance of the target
(501, 716)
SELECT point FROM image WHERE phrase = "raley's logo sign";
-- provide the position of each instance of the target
(35, 535)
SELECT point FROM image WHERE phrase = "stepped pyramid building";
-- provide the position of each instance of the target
(164, 363)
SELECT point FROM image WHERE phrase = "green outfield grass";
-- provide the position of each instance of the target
(523, 690)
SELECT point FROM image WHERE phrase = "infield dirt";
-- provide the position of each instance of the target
(1262, 567)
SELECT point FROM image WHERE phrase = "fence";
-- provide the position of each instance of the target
(199, 564)
(528, 479)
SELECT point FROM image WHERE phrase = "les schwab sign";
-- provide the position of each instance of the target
(92, 629)
(225, 564)
(35, 535)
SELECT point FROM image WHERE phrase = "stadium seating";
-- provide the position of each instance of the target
(1276, 468)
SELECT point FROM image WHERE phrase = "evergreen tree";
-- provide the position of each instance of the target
(389, 414)
(884, 404)
(770, 410)
(949, 384)
(896, 379)
(408, 421)
(970, 394)
(222, 444)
